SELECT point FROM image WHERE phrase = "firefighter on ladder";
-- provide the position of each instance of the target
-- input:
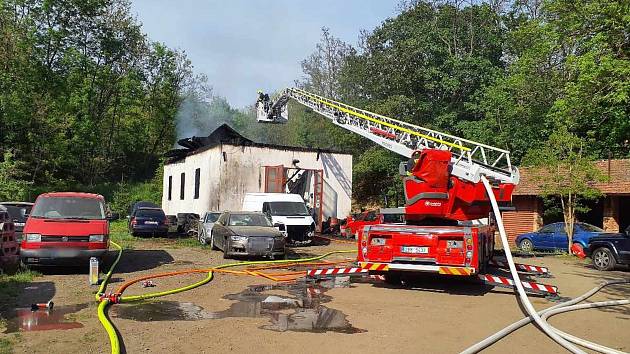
(264, 99)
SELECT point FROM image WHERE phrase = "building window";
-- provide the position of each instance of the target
(170, 187)
(197, 176)
(182, 185)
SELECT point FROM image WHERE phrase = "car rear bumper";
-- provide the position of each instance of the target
(59, 255)
(150, 229)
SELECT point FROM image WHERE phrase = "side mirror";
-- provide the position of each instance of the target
(113, 216)
(280, 226)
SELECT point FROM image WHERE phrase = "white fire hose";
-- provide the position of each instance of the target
(558, 336)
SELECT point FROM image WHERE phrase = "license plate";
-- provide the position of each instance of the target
(19, 224)
(415, 249)
(151, 222)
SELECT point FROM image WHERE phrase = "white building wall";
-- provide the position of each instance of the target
(224, 183)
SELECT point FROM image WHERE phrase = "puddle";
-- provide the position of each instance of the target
(300, 311)
(160, 311)
(24, 319)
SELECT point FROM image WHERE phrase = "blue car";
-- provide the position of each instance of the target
(554, 236)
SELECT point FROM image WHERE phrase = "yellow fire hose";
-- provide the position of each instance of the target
(105, 301)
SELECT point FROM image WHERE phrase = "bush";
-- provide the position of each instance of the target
(128, 193)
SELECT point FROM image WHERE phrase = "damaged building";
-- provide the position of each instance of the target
(214, 173)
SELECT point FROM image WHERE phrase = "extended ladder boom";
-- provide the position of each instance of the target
(470, 160)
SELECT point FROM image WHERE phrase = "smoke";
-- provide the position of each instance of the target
(199, 116)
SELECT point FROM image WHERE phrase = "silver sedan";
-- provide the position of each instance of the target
(206, 223)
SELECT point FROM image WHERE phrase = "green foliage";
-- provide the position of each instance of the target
(85, 98)
(375, 176)
(12, 183)
(563, 170)
(129, 193)
(568, 67)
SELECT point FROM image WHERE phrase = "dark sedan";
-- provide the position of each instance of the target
(18, 211)
(247, 234)
(148, 221)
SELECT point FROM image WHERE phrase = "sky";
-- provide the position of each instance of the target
(243, 46)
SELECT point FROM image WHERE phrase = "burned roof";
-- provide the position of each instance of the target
(223, 134)
(228, 136)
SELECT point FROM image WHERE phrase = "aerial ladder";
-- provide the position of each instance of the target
(443, 191)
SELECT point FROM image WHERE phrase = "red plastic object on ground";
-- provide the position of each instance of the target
(577, 250)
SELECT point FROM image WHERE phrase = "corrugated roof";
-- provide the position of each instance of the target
(618, 182)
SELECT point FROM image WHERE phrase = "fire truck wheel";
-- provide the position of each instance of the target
(393, 278)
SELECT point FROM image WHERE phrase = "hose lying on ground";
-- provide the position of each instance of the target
(579, 341)
(517, 280)
(524, 321)
(105, 301)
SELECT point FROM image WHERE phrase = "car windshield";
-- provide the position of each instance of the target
(589, 227)
(288, 208)
(212, 217)
(69, 208)
(249, 220)
(150, 213)
(16, 213)
(393, 218)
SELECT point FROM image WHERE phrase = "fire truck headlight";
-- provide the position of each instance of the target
(364, 250)
(469, 254)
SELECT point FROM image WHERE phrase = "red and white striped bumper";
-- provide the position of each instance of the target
(334, 271)
(529, 286)
(417, 268)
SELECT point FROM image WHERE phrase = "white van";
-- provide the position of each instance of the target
(285, 209)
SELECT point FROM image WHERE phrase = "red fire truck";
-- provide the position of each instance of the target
(448, 228)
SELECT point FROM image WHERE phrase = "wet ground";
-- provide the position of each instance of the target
(30, 319)
(301, 310)
(230, 314)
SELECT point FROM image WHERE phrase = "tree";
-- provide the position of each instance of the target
(12, 183)
(563, 170)
(323, 67)
(85, 97)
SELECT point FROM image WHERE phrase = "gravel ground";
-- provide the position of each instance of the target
(430, 314)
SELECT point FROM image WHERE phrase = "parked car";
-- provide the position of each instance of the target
(65, 227)
(206, 223)
(148, 221)
(284, 210)
(172, 223)
(141, 204)
(18, 212)
(244, 233)
(187, 223)
(554, 236)
(373, 217)
(610, 250)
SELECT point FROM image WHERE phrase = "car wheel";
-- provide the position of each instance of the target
(212, 245)
(202, 238)
(526, 245)
(603, 259)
